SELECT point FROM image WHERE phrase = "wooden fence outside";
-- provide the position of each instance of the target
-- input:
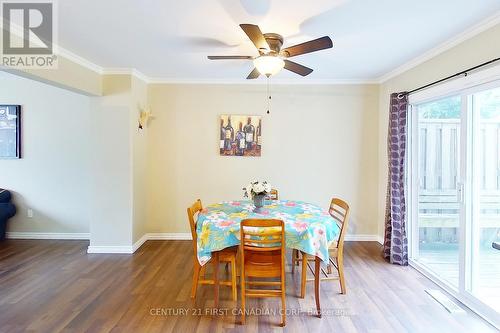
(439, 165)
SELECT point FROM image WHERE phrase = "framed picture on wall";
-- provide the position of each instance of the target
(10, 131)
(240, 135)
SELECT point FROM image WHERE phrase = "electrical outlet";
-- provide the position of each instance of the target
(30, 213)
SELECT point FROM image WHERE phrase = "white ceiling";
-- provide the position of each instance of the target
(170, 39)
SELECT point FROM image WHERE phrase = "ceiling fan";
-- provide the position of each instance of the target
(272, 58)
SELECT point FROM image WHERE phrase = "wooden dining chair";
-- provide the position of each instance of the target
(274, 194)
(262, 253)
(339, 210)
(227, 255)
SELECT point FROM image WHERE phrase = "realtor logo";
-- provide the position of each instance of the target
(28, 34)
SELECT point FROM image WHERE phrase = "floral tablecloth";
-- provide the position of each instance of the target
(308, 227)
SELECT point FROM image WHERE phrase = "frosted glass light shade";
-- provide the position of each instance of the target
(268, 65)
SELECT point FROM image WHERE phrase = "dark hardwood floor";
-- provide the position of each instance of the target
(52, 286)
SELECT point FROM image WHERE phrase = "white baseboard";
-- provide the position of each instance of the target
(361, 238)
(187, 236)
(143, 239)
(47, 235)
(169, 236)
(125, 249)
(380, 239)
(111, 249)
(139, 243)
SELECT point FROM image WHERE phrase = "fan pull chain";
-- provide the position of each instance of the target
(268, 96)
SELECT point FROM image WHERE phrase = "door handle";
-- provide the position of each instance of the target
(460, 192)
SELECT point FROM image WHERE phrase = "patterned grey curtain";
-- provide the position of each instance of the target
(396, 242)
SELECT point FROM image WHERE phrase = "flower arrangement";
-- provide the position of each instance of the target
(257, 189)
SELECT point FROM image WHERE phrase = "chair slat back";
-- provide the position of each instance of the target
(262, 253)
(339, 211)
(192, 211)
(274, 194)
(270, 235)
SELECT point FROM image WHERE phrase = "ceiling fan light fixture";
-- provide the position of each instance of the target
(268, 65)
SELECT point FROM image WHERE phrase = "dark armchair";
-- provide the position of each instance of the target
(7, 210)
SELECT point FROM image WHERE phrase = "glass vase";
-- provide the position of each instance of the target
(258, 200)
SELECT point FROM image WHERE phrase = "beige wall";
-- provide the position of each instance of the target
(139, 100)
(111, 209)
(68, 75)
(53, 176)
(84, 164)
(132, 182)
(72, 76)
(318, 142)
(119, 163)
(479, 49)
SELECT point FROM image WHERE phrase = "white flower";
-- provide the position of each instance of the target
(256, 188)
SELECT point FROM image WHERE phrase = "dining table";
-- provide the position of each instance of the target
(308, 228)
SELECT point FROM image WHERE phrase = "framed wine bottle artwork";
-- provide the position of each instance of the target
(10, 131)
(240, 135)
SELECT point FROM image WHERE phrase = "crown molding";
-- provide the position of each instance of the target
(118, 71)
(139, 75)
(126, 71)
(79, 60)
(58, 50)
(454, 41)
(261, 81)
(473, 31)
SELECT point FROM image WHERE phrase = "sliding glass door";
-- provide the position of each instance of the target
(438, 198)
(454, 192)
(485, 227)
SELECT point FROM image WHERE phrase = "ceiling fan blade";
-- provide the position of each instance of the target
(253, 32)
(308, 47)
(297, 68)
(253, 74)
(229, 57)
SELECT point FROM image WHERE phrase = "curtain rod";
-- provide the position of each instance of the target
(464, 72)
